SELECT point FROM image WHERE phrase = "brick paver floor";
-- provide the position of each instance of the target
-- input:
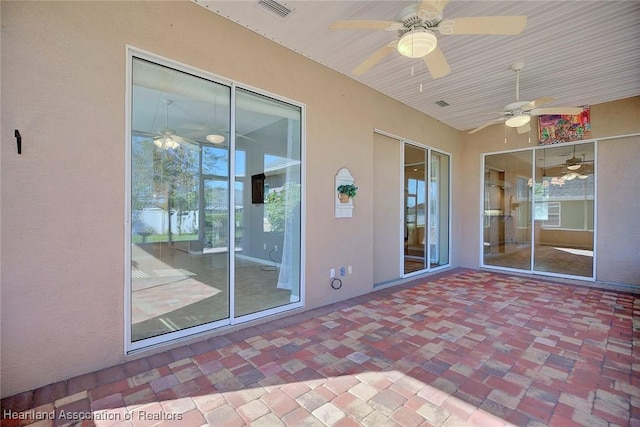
(463, 348)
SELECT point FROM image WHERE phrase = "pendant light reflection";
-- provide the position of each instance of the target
(215, 139)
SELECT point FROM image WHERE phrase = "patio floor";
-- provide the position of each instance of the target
(461, 348)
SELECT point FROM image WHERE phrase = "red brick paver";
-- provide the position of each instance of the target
(462, 348)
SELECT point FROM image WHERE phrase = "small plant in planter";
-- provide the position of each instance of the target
(346, 191)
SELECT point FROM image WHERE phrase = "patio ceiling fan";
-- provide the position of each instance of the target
(577, 167)
(416, 26)
(167, 138)
(214, 136)
(518, 114)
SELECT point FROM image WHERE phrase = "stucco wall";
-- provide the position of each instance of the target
(63, 86)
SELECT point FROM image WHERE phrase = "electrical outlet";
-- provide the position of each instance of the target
(349, 269)
(342, 271)
(332, 273)
(276, 248)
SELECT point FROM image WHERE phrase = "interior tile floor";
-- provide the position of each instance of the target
(570, 261)
(173, 289)
(463, 348)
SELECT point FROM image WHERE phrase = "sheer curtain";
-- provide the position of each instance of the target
(289, 275)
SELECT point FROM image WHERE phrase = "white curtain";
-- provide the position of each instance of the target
(289, 275)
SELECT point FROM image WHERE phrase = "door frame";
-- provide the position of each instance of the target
(132, 347)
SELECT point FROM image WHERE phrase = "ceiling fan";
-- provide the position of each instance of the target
(167, 138)
(518, 114)
(415, 26)
(217, 136)
(578, 167)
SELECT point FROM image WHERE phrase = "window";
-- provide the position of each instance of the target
(553, 215)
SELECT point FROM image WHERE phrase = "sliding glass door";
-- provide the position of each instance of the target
(426, 209)
(215, 195)
(545, 196)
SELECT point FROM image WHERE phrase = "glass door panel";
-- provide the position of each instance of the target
(415, 217)
(268, 217)
(564, 193)
(439, 210)
(507, 210)
(175, 283)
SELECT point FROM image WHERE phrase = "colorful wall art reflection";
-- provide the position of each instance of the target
(558, 129)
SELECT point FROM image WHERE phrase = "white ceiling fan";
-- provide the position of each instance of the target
(415, 27)
(167, 138)
(518, 114)
(577, 167)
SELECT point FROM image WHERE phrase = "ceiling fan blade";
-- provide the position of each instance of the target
(556, 111)
(248, 138)
(373, 59)
(433, 5)
(523, 129)
(510, 25)
(188, 143)
(437, 63)
(536, 103)
(142, 133)
(492, 122)
(366, 25)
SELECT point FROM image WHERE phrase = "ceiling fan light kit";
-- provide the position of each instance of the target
(416, 25)
(215, 139)
(518, 114)
(167, 139)
(166, 143)
(517, 120)
(417, 43)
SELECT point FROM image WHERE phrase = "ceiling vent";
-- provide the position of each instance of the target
(442, 103)
(274, 8)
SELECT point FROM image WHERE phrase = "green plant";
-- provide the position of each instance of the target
(279, 205)
(348, 189)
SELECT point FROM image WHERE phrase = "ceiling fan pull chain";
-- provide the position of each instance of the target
(421, 74)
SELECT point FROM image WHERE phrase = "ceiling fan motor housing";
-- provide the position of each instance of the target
(574, 161)
(412, 18)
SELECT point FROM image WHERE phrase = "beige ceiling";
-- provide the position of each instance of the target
(580, 52)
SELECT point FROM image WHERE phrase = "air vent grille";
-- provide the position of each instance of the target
(274, 8)
(442, 103)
